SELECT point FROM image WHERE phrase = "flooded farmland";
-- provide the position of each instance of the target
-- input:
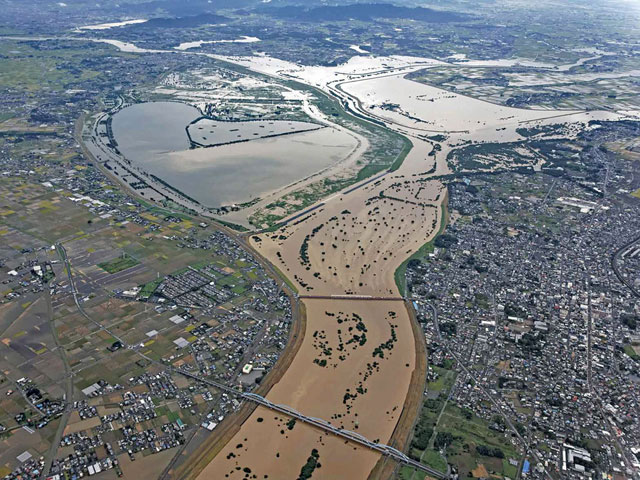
(356, 365)
(153, 137)
(208, 132)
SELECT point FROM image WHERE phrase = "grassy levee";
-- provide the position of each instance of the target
(399, 274)
(282, 276)
(401, 156)
(331, 107)
(233, 226)
(629, 350)
(331, 186)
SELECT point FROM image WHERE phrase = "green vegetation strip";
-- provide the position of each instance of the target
(629, 350)
(422, 252)
(118, 264)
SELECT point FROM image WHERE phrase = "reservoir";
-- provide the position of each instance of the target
(153, 137)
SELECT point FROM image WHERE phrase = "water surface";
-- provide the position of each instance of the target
(153, 137)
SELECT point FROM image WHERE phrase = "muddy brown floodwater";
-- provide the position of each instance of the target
(353, 369)
(152, 136)
(355, 363)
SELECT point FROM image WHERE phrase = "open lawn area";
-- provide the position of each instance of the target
(118, 264)
(470, 433)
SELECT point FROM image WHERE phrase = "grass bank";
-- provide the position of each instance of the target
(427, 248)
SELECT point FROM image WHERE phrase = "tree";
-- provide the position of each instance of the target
(489, 451)
(443, 440)
(629, 320)
(445, 240)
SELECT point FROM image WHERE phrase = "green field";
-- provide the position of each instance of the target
(400, 274)
(119, 264)
(422, 444)
(469, 433)
(629, 350)
(33, 69)
(442, 426)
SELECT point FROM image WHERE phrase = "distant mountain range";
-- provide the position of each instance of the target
(363, 12)
(181, 22)
(182, 7)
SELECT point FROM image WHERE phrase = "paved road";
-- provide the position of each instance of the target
(69, 392)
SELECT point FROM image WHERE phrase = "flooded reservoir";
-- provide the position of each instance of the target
(154, 138)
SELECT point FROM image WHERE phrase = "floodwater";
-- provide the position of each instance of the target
(153, 137)
(208, 132)
(199, 43)
(106, 26)
(146, 129)
(267, 446)
(428, 108)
